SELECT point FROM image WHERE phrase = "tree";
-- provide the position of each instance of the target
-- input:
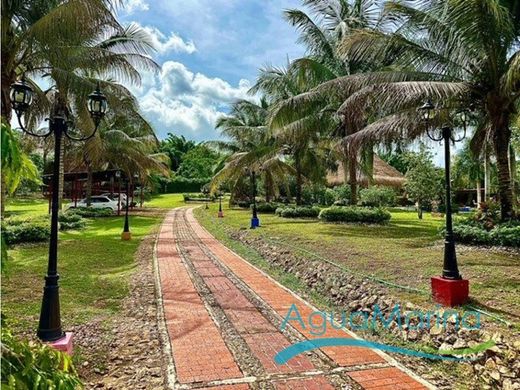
(176, 147)
(198, 163)
(461, 54)
(423, 180)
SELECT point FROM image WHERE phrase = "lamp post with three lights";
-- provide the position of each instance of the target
(21, 96)
(449, 289)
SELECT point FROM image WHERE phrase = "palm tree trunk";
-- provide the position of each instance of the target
(267, 190)
(352, 169)
(512, 169)
(479, 193)
(487, 176)
(502, 139)
(61, 181)
(299, 178)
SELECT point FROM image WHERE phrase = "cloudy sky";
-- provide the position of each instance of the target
(209, 52)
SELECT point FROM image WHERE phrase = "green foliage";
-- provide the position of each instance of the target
(198, 163)
(424, 182)
(197, 196)
(33, 365)
(318, 194)
(16, 165)
(505, 234)
(342, 194)
(15, 231)
(71, 221)
(176, 147)
(297, 212)
(377, 196)
(266, 207)
(182, 185)
(90, 212)
(354, 214)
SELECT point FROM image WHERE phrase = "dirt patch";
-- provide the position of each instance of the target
(124, 352)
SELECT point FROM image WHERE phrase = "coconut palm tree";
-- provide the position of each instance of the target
(459, 53)
(252, 147)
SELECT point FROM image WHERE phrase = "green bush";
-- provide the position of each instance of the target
(33, 365)
(298, 212)
(71, 221)
(377, 196)
(266, 207)
(468, 232)
(197, 196)
(25, 231)
(354, 214)
(90, 212)
(342, 194)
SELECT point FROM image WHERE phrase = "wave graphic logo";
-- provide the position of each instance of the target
(304, 346)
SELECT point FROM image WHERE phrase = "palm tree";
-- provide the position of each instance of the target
(252, 147)
(459, 53)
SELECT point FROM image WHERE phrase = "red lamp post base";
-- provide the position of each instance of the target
(221, 214)
(448, 292)
(64, 344)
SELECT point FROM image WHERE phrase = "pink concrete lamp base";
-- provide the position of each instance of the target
(449, 292)
(64, 344)
(220, 214)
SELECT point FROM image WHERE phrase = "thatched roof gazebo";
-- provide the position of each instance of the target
(384, 175)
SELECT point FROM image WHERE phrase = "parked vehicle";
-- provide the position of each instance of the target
(98, 202)
(114, 196)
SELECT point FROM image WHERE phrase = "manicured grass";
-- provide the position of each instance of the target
(94, 264)
(407, 251)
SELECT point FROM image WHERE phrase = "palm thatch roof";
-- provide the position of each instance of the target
(384, 175)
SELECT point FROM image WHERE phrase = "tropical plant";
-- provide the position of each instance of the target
(459, 53)
(253, 148)
(176, 147)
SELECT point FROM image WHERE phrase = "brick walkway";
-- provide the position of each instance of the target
(223, 319)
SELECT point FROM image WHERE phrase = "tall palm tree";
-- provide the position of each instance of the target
(459, 53)
(252, 147)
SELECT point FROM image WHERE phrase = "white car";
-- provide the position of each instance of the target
(115, 197)
(97, 202)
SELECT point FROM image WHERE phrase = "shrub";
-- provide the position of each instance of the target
(354, 214)
(265, 207)
(197, 196)
(318, 194)
(181, 184)
(33, 365)
(342, 194)
(26, 231)
(71, 221)
(467, 231)
(298, 212)
(377, 196)
(90, 212)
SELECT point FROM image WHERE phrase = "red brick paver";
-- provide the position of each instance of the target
(195, 339)
(200, 353)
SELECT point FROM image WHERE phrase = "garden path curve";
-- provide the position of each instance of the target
(222, 319)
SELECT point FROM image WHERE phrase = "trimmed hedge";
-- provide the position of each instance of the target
(90, 212)
(297, 212)
(26, 231)
(71, 221)
(354, 214)
(267, 208)
(181, 184)
(376, 196)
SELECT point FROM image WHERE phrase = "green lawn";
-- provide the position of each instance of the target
(407, 251)
(95, 265)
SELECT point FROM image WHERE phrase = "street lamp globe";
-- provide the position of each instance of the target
(97, 105)
(21, 95)
(427, 110)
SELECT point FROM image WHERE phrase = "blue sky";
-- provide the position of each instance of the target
(209, 52)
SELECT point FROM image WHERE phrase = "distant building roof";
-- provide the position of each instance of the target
(384, 174)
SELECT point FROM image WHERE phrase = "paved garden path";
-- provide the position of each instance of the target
(223, 319)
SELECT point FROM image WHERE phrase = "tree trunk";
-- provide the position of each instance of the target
(479, 193)
(299, 179)
(512, 169)
(487, 176)
(352, 169)
(90, 174)
(419, 210)
(62, 175)
(502, 139)
(267, 192)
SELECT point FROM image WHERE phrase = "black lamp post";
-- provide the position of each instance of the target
(255, 222)
(445, 133)
(49, 328)
(220, 212)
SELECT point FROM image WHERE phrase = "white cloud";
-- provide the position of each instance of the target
(132, 6)
(164, 44)
(188, 103)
